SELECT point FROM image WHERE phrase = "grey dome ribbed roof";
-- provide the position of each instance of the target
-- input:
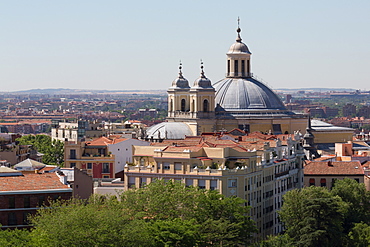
(180, 82)
(202, 82)
(169, 130)
(246, 94)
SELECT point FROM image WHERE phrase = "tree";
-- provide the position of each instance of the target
(53, 150)
(282, 240)
(15, 237)
(358, 200)
(222, 219)
(313, 216)
(160, 214)
(360, 235)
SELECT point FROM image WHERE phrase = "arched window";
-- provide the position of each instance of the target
(183, 103)
(205, 105)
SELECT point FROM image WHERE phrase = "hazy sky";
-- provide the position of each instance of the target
(118, 45)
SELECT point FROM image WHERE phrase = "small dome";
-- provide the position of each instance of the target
(202, 82)
(180, 82)
(239, 48)
(169, 130)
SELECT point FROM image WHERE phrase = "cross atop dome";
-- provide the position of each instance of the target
(238, 39)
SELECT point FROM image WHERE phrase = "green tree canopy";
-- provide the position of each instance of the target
(358, 200)
(313, 217)
(53, 150)
(160, 214)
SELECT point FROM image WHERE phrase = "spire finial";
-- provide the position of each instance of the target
(180, 68)
(238, 39)
(201, 67)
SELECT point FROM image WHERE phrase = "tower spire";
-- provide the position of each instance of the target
(238, 39)
(180, 70)
(201, 68)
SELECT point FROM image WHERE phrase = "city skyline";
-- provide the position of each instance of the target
(120, 45)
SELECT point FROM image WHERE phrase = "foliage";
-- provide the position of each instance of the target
(53, 150)
(360, 235)
(313, 217)
(9, 238)
(282, 240)
(161, 214)
(221, 219)
(358, 200)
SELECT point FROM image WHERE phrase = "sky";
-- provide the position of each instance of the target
(129, 45)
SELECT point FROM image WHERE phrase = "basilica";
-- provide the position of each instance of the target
(239, 101)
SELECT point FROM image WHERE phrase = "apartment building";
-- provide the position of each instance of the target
(258, 168)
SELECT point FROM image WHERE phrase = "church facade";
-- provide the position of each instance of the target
(237, 101)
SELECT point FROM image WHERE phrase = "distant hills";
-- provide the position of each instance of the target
(58, 91)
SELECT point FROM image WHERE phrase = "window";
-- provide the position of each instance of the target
(12, 219)
(277, 129)
(189, 182)
(105, 167)
(26, 201)
(171, 105)
(142, 182)
(205, 105)
(166, 166)
(25, 218)
(312, 182)
(236, 65)
(213, 185)
(183, 104)
(243, 67)
(106, 176)
(357, 180)
(178, 166)
(11, 202)
(131, 182)
(228, 66)
(73, 165)
(72, 154)
(323, 182)
(41, 200)
(232, 183)
(202, 183)
(89, 165)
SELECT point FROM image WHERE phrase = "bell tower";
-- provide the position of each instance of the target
(178, 97)
(238, 59)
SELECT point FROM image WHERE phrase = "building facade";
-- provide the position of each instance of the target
(258, 168)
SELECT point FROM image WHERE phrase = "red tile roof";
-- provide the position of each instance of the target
(104, 141)
(31, 181)
(334, 168)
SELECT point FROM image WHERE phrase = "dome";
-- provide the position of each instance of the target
(202, 81)
(243, 94)
(169, 130)
(180, 82)
(239, 48)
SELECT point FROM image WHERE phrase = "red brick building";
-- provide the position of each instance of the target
(21, 194)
